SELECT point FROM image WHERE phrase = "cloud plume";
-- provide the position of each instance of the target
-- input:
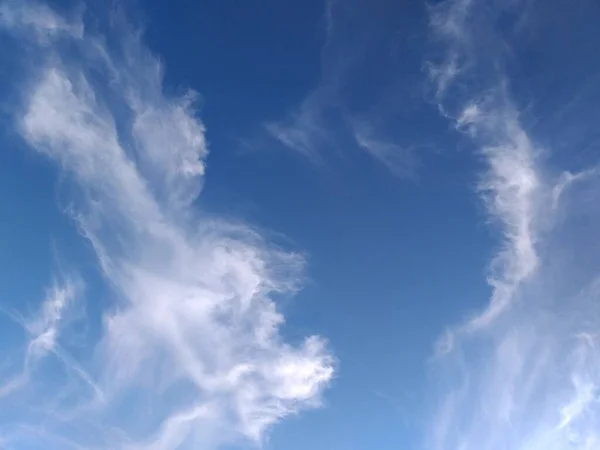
(189, 353)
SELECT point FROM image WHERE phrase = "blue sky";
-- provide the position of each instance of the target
(334, 225)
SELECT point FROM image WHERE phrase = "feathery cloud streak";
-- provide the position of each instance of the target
(522, 373)
(189, 354)
(327, 123)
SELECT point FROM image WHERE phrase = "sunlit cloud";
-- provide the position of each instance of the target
(523, 372)
(189, 353)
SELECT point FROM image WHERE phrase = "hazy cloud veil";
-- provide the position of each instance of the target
(188, 354)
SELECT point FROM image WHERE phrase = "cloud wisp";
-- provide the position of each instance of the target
(188, 353)
(522, 373)
(329, 122)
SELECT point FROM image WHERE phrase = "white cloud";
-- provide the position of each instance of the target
(522, 373)
(194, 329)
(567, 179)
(305, 130)
(399, 160)
(45, 328)
(510, 186)
(448, 21)
(510, 191)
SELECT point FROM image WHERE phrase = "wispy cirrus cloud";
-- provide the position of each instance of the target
(189, 352)
(400, 160)
(522, 373)
(45, 327)
(38, 19)
(327, 124)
